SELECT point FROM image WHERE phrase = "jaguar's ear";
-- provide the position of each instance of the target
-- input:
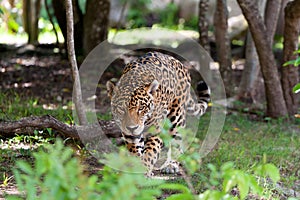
(110, 88)
(153, 87)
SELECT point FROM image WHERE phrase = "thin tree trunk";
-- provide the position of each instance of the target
(203, 25)
(223, 44)
(51, 21)
(77, 94)
(290, 75)
(276, 106)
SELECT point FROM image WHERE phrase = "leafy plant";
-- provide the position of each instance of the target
(169, 15)
(128, 182)
(6, 180)
(137, 13)
(56, 174)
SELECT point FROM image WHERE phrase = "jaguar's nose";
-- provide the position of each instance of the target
(132, 128)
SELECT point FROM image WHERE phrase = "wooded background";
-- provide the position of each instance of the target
(219, 23)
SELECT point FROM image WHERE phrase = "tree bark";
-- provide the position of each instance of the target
(276, 106)
(250, 73)
(223, 44)
(96, 22)
(59, 12)
(31, 13)
(77, 94)
(290, 75)
(203, 25)
(272, 13)
(251, 88)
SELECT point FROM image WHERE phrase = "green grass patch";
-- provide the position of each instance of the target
(13, 107)
(246, 143)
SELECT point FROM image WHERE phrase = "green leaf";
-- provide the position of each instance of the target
(174, 186)
(268, 170)
(297, 62)
(273, 172)
(291, 62)
(255, 187)
(243, 184)
(149, 193)
(41, 166)
(227, 166)
(213, 195)
(298, 51)
(13, 25)
(212, 167)
(296, 88)
(228, 184)
(25, 167)
(184, 196)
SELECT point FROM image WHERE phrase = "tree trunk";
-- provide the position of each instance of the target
(251, 88)
(223, 44)
(203, 25)
(31, 13)
(250, 74)
(272, 13)
(96, 22)
(60, 14)
(77, 94)
(290, 75)
(276, 106)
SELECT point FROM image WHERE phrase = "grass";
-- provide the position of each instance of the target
(243, 141)
(247, 142)
(13, 107)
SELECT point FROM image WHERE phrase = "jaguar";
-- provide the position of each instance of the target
(152, 88)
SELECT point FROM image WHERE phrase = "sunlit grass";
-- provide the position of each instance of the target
(245, 142)
(22, 38)
(13, 107)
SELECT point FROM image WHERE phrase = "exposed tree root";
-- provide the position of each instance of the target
(109, 129)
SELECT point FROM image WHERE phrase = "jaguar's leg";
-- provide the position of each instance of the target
(175, 148)
(134, 144)
(153, 146)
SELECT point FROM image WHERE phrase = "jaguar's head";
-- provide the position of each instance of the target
(132, 107)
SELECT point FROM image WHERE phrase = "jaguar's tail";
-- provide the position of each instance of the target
(198, 108)
(203, 92)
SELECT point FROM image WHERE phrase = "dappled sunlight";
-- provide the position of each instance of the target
(57, 106)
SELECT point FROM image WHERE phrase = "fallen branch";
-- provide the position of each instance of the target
(109, 129)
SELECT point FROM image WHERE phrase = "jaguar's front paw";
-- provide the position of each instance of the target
(171, 167)
(149, 174)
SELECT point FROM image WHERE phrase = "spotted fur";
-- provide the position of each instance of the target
(152, 88)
